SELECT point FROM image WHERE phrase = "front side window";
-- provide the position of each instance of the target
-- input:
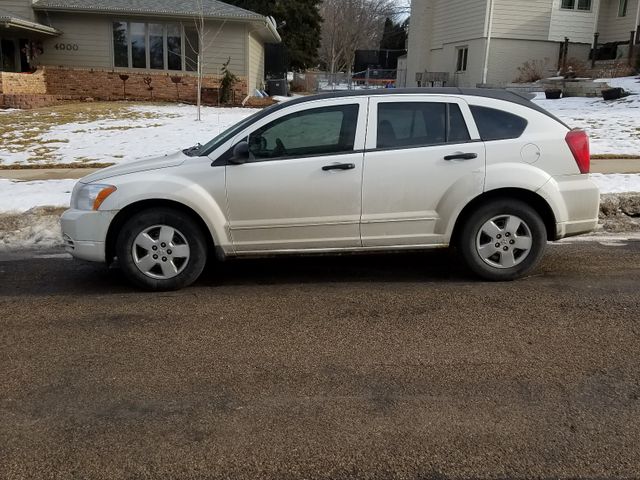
(319, 131)
(416, 124)
(496, 124)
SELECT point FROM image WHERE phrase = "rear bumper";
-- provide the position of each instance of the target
(85, 233)
(575, 201)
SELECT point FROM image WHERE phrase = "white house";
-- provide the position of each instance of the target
(485, 41)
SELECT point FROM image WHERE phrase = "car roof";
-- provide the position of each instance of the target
(493, 93)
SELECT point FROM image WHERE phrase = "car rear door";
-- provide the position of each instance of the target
(423, 161)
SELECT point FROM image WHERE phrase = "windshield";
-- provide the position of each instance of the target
(224, 136)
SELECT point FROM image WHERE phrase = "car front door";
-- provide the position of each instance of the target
(301, 187)
(423, 160)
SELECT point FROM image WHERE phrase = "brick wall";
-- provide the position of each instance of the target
(24, 101)
(23, 83)
(108, 85)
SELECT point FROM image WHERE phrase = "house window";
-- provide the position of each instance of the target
(156, 46)
(583, 5)
(120, 44)
(191, 49)
(138, 45)
(622, 8)
(461, 63)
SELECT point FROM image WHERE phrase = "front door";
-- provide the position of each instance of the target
(9, 57)
(424, 158)
(301, 188)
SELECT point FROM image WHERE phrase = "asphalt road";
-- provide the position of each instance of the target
(393, 366)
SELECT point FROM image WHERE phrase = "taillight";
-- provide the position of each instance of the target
(578, 142)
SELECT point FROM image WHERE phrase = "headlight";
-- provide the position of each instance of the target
(90, 196)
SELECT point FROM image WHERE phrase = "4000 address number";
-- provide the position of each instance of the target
(73, 47)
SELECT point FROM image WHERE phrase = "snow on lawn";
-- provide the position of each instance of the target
(23, 196)
(613, 126)
(108, 132)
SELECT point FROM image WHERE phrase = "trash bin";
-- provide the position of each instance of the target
(277, 87)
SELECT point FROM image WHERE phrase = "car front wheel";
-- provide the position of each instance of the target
(161, 249)
(503, 240)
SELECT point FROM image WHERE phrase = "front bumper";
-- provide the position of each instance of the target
(85, 233)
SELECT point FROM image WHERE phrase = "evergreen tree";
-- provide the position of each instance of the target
(394, 36)
(299, 26)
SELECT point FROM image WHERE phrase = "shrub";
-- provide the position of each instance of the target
(531, 71)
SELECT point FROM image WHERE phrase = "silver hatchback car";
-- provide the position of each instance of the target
(485, 170)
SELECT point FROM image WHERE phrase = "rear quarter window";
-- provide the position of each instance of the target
(494, 124)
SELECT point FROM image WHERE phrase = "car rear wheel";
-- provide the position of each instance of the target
(503, 240)
(161, 249)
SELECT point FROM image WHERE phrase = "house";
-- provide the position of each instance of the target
(485, 41)
(88, 47)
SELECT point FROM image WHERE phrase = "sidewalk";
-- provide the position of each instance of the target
(597, 166)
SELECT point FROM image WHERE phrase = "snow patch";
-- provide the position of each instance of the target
(22, 196)
(36, 228)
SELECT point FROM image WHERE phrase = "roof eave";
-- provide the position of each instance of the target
(27, 25)
(268, 30)
(99, 11)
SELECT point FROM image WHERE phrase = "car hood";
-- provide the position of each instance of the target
(172, 160)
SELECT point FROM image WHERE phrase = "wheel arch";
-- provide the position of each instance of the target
(132, 209)
(538, 203)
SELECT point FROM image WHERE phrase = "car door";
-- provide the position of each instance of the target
(423, 160)
(301, 188)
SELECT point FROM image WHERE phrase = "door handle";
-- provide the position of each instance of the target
(461, 156)
(339, 166)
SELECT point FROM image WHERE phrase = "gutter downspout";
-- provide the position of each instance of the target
(485, 69)
(635, 25)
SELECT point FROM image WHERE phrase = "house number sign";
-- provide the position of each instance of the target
(73, 47)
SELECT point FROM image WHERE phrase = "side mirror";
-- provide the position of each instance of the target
(240, 153)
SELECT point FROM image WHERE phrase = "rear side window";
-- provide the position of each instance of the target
(415, 124)
(496, 124)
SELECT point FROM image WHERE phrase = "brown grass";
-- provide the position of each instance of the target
(22, 130)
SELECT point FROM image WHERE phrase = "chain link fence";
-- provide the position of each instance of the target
(331, 82)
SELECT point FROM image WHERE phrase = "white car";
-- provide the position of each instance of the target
(487, 171)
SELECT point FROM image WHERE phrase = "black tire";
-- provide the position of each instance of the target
(187, 232)
(496, 267)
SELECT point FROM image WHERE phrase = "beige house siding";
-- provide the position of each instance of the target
(577, 25)
(419, 42)
(223, 42)
(457, 20)
(256, 63)
(91, 35)
(507, 55)
(613, 28)
(20, 8)
(444, 60)
(522, 19)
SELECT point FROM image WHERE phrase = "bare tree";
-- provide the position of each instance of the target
(202, 34)
(350, 25)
